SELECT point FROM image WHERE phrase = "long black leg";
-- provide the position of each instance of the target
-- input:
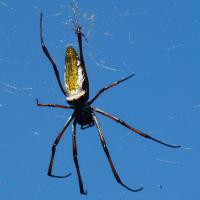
(108, 87)
(79, 38)
(132, 128)
(103, 142)
(45, 50)
(77, 28)
(82, 62)
(76, 158)
(54, 148)
(53, 105)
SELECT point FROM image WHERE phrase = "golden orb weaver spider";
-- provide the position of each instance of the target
(77, 95)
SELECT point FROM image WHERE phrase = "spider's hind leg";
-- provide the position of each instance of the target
(54, 148)
(103, 142)
(123, 123)
(76, 157)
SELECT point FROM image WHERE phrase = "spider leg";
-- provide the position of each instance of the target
(132, 128)
(76, 158)
(79, 38)
(46, 52)
(79, 35)
(108, 87)
(103, 142)
(54, 148)
(53, 105)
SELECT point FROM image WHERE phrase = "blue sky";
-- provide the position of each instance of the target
(157, 40)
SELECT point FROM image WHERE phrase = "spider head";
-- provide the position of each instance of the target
(84, 116)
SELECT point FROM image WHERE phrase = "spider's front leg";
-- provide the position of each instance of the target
(46, 52)
(79, 38)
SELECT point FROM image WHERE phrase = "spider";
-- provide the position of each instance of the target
(77, 95)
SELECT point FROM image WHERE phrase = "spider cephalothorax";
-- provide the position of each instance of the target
(84, 116)
(77, 95)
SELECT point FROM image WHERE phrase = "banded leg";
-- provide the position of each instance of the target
(108, 87)
(46, 52)
(54, 148)
(103, 142)
(76, 158)
(53, 105)
(132, 128)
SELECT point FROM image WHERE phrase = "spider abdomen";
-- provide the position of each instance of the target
(76, 83)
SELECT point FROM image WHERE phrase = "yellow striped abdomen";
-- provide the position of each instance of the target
(75, 79)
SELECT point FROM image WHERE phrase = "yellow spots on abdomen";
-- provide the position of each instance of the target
(71, 70)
